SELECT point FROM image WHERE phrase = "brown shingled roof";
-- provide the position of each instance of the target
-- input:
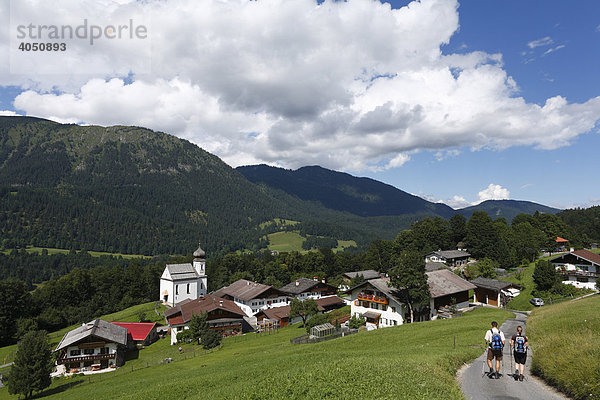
(588, 255)
(444, 282)
(183, 312)
(246, 290)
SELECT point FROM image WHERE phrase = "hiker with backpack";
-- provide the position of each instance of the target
(494, 339)
(519, 343)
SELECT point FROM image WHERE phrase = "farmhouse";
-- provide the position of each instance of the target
(444, 286)
(452, 258)
(281, 315)
(493, 292)
(221, 314)
(304, 288)
(139, 333)
(580, 268)
(179, 282)
(377, 302)
(95, 345)
(252, 297)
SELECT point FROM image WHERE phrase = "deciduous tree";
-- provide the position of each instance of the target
(303, 309)
(32, 367)
(410, 278)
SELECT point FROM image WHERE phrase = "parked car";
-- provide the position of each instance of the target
(536, 301)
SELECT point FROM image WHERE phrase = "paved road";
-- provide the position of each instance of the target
(476, 387)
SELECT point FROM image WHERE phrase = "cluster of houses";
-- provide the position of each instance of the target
(246, 306)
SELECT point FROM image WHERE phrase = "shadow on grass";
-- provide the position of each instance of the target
(132, 354)
(57, 389)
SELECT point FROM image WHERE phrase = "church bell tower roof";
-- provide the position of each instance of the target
(199, 253)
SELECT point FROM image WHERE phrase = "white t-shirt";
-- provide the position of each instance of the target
(488, 334)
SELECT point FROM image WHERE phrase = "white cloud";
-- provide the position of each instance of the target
(525, 186)
(293, 83)
(545, 41)
(553, 49)
(493, 192)
(457, 202)
(8, 113)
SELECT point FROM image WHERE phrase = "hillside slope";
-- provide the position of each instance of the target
(507, 208)
(343, 192)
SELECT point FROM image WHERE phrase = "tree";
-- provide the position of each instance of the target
(210, 338)
(487, 268)
(458, 226)
(198, 326)
(14, 303)
(410, 278)
(303, 309)
(32, 367)
(545, 275)
(482, 237)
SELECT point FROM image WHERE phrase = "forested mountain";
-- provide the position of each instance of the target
(340, 191)
(507, 208)
(136, 191)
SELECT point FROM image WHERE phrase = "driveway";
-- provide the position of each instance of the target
(477, 387)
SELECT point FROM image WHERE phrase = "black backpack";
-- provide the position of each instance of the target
(520, 344)
(496, 343)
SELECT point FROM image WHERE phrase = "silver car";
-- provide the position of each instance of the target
(536, 301)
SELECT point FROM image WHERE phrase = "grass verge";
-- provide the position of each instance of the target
(413, 361)
(565, 341)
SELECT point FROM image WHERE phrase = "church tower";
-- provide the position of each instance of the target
(199, 265)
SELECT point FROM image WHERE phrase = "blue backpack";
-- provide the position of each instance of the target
(496, 343)
(520, 344)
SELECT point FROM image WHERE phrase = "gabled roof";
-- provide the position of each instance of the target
(450, 253)
(492, 284)
(284, 311)
(367, 274)
(444, 282)
(96, 328)
(137, 330)
(434, 266)
(561, 240)
(381, 284)
(329, 301)
(304, 285)
(182, 271)
(585, 254)
(246, 290)
(183, 311)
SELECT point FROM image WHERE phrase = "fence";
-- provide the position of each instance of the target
(304, 339)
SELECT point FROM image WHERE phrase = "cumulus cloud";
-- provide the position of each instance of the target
(8, 113)
(493, 192)
(292, 83)
(457, 202)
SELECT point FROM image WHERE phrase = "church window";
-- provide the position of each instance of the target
(188, 288)
(176, 289)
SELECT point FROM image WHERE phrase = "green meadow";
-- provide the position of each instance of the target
(50, 250)
(412, 361)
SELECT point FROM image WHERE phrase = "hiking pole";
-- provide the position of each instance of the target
(511, 362)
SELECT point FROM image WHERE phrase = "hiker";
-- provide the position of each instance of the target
(494, 339)
(519, 343)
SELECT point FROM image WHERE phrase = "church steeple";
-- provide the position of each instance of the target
(199, 262)
(199, 253)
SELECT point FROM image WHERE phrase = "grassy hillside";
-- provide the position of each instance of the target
(565, 341)
(130, 314)
(38, 250)
(414, 361)
(292, 241)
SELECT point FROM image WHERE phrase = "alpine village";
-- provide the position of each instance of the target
(137, 265)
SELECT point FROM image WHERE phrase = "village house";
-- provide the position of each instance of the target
(452, 258)
(304, 288)
(580, 268)
(447, 289)
(348, 277)
(281, 315)
(139, 333)
(179, 282)
(221, 315)
(92, 346)
(252, 297)
(494, 292)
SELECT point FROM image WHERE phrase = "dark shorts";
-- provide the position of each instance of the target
(497, 354)
(520, 358)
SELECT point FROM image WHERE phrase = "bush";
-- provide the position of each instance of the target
(210, 339)
(185, 336)
(317, 320)
(356, 322)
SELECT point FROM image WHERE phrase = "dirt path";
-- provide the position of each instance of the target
(477, 387)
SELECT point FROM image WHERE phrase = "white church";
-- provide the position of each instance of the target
(184, 281)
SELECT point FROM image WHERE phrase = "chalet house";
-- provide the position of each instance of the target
(139, 333)
(378, 303)
(222, 315)
(252, 297)
(281, 315)
(493, 292)
(452, 258)
(95, 345)
(445, 285)
(179, 282)
(580, 268)
(304, 288)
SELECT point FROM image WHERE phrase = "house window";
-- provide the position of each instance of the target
(104, 350)
(188, 288)
(88, 351)
(75, 352)
(393, 309)
(176, 289)
(395, 322)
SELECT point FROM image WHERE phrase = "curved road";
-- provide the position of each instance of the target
(477, 387)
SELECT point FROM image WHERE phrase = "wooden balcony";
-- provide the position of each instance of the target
(94, 357)
(373, 298)
(580, 273)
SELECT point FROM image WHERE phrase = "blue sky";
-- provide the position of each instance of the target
(453, 102)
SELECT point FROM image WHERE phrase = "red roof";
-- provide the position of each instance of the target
(137, 330)
(561, 240)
